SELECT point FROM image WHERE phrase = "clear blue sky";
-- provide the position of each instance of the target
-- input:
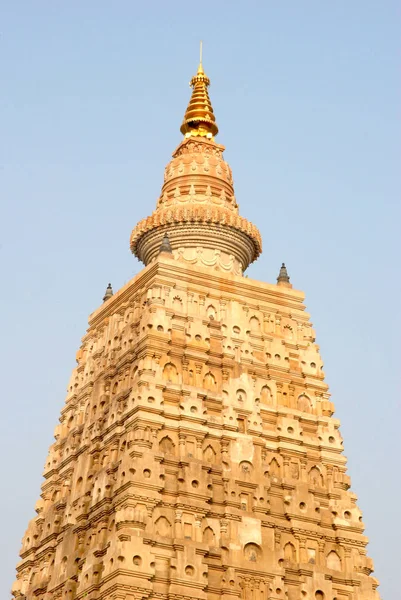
(307, 100)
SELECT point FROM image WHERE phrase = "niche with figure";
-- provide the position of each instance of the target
(252, 552)
(241, 396)
(246, 467)
(241, 423)
(290, 553)
(304, 403)
(311, 555)
(211, 312)
(254, 324)
(166, 445)
(266, 395)
(315, 477)
(244, 499)
(170, 373)
(209, 381)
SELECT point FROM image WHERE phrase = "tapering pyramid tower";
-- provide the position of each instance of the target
(197, 455)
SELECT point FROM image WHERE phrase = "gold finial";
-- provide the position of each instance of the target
(199, 119)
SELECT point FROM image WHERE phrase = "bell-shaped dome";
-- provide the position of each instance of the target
(197, 206)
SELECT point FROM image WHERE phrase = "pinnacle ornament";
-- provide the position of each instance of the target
(108, 294)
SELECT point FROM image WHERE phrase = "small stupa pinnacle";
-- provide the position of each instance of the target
(108, 294)
(283, 277)
(165, 245)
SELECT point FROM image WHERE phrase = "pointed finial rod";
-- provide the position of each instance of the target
(108, 294)
(200, 68)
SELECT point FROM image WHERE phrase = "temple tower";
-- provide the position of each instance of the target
(197, 455)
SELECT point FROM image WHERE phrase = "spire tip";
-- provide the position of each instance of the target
(199, 119)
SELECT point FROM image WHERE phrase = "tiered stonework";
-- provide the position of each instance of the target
(198, 209)
(197, 455)
(197, 206)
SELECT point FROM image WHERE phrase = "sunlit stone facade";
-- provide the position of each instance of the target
(197, 455)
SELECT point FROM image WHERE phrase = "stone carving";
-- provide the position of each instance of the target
(252, 552)
(209, 381)
(315, 477)
(185, 207)
(170, 373)
(196, 454)
(266, 395)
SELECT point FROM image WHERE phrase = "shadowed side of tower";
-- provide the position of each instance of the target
(197, 455)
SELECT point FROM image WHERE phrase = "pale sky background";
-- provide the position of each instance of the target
(307, 98)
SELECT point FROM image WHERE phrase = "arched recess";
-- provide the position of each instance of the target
(274, 468)
(209, 537)
(288, 332)
(211, 312)
(241, 395)
(166, 445)
(209, 455)
(290, 553)
(163, 526)
(170, 373)
(315, 477)
(177, 303)
(304, 403)
(209, 381)
(252, 552)
(266, 395)
(333, 561)
(246, 467)
(254, 324)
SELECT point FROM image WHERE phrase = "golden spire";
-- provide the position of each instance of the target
(199, 118)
